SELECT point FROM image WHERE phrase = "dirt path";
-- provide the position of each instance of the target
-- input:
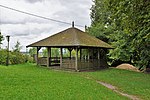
(114, 88)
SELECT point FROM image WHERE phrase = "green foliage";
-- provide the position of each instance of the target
(1, 39)
(44, 52)
(17, 47)
(3, 56)
(14, 57)
(55, 52)
(32, 51)
(17, 58)
(66, 53)
(125, 24)
(29, 82)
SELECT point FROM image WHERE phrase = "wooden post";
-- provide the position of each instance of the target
(37, 55)
(76, 61)
(70, 54)
(98, 57)
(88, 60)
(37, 52)
(48, 56)
(61, 57)
(70, 50)
(80, 53)
(88, 54)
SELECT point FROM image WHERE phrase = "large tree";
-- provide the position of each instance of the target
(1, 39)
(125, 24)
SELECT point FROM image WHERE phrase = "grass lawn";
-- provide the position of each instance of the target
(22, 82)
(127, 81)
(28, 81)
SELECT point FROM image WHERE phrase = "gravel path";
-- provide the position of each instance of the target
(114, 88)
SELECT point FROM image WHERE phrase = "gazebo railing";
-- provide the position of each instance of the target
(67, 63)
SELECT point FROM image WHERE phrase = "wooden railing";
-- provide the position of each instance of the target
(68, 63)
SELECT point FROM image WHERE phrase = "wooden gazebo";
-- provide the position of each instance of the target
(74, 39)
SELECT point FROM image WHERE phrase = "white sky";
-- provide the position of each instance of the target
(28, 29)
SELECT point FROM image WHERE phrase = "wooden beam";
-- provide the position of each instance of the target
(61, 57)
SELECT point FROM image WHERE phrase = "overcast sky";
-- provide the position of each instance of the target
(28, 29)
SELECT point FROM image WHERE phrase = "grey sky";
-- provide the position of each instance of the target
(28, 29)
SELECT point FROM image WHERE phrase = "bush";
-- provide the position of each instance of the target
(3, 56)
(14, 57)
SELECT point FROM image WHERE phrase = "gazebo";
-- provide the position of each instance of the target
(94, 50)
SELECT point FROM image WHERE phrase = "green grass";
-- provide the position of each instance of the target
(27, 81)
(23, 82)
(127, 81)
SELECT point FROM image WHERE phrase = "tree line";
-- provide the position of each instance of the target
(125, 24)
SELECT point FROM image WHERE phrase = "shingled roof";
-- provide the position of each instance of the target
(69, 38)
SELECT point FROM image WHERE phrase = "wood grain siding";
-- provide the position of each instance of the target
(69, 64)
(42, 61)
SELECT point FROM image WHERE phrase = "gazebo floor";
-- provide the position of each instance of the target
(57, 67)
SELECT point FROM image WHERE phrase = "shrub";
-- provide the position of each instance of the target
(3, 56)
(14, 57)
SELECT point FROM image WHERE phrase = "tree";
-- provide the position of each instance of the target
(54, 52)
(17, 47)
(32, 51)
(125, 24)
(100, 17)
(1, 39)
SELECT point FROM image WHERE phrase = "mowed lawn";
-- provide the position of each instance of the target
(27, 81)
(129, 82)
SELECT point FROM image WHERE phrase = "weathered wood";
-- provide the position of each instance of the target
(42, 61)
(80, 53)
(76, 59)
(37, 55)
(76, 63)
(48, 56)
(37, 52)
(61, 57)
(70, 50)
(83, 64)
(68, 64)
(88, 53)
(98, 50)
